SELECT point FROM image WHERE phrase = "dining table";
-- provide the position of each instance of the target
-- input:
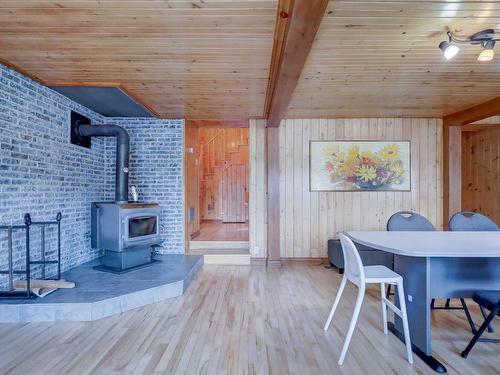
(437, 264)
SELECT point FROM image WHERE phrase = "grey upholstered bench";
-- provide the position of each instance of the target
(369, 256)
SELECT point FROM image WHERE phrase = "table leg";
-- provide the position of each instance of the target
(416, 282)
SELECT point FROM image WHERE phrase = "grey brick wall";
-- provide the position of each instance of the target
(42, 173)
(156, 168)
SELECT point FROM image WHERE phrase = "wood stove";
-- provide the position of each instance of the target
(126, 232)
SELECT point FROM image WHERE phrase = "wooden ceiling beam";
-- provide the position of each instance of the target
(473, 114)
(297, 23)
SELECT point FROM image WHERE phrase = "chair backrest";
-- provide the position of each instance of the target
(471, 221)
(409, 221)
(353, 266)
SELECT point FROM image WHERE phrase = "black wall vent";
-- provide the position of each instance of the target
(76, 138)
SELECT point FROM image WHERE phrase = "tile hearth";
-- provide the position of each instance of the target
(99, 294)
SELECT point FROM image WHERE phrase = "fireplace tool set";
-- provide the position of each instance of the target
(13, 290)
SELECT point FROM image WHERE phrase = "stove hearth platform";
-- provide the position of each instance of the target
(100, 294)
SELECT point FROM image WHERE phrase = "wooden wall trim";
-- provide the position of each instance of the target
(22, 71)
(478, 127)
(211, 123)
(473, 114)
(261, 262)
(296, 27)
(452, 151)
(139, 100)
(273, 198)
(257, 189)
(452, 171)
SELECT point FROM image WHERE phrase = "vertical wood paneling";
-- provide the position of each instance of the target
(191, 178)
(257, 189)
(309, 219)
(481, 172)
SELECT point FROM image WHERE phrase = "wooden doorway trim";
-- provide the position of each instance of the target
(453, 125)
(273, 198)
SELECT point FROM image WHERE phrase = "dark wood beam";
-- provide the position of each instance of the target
(273, 198)
(473, 114)
(296, 26)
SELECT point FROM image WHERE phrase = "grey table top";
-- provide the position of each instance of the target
(432, 244)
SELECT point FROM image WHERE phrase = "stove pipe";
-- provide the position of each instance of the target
(122, 154)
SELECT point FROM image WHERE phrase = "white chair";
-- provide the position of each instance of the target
(360, 276)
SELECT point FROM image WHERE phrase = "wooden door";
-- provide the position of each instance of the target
(234, 194)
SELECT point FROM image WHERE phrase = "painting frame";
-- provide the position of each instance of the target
(354, 141)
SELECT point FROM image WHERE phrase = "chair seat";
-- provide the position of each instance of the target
(487, 298)
(380, 274)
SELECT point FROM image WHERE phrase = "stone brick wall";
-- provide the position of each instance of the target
(156, 168)
(42, 173)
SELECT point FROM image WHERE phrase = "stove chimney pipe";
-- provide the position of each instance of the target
(122, 154)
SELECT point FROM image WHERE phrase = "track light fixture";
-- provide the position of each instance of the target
(485, 38)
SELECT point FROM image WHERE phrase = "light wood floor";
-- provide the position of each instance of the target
(238, 320)
(212, 231)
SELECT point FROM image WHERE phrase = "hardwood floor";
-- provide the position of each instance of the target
(239, 320)
(214, 231)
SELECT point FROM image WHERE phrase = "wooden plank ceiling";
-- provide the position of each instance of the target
(209, 59)
(204, 59)
(381, 59)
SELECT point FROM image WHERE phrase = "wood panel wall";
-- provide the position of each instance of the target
(257, 188)
(481, 172)
(191, 179)
(309, 219)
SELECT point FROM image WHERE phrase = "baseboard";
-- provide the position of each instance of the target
(218, 251)
(227, 259)
(262, 262)
(304, 261)
(218, 245)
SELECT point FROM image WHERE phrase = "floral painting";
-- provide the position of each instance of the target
(359, 166)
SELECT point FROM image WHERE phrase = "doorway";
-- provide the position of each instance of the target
(217, 191)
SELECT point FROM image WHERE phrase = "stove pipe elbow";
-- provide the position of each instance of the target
(122, 154)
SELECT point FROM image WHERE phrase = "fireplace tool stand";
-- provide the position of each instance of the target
(11, 292)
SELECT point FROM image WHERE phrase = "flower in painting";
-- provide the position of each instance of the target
(397, 168)
(353, 153)
(390, 152)
(366, 173)
(350, 167)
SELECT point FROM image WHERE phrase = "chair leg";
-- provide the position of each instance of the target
(467, 314)
(335, 303)
(384, 306)
(404, 318)
(352, 324)
(480, 331)
(490, 328)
